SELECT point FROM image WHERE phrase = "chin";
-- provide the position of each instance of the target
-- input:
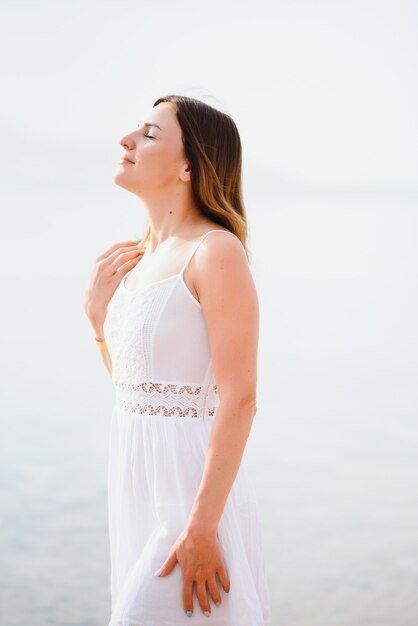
(120, 179)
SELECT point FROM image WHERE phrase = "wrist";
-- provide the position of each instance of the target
(195, 530)
(98, 329)
(200, 524)
(101, 343)
(96, 318)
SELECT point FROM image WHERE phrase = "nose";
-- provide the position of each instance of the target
(127, 142)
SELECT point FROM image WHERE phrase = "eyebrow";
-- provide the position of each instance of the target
(148, 124)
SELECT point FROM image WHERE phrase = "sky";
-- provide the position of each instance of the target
(325, 98)
(322, 92)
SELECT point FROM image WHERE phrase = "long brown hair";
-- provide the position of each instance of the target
(212, 146)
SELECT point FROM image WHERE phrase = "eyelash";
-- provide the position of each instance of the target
(149, 136)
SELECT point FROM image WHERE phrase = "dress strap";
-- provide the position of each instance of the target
(216, 230)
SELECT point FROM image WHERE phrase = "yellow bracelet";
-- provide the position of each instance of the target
(102, 344)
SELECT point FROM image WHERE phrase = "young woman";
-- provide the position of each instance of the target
(177, 320)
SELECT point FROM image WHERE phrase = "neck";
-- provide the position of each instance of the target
(170, 213)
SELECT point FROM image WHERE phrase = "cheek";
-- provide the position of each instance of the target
(157, 163)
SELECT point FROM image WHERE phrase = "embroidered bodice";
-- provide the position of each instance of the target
(158, 342)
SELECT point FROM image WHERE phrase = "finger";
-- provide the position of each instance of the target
(223, 577)
(202, 596)
(127, 255)
(169, 564)
(187, 596)
(121, 259)
(121, 252)
(214, 590)
(115, 247)
(126, 267)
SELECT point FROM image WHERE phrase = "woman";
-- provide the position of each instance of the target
(179, 335)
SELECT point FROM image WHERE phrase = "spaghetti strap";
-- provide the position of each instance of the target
(215, 230)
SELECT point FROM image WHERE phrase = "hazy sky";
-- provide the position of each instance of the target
(321, 91)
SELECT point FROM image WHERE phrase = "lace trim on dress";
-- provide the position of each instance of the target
(162, 410)
(162, 387)
(156, 398)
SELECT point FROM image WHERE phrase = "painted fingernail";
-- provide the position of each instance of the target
(217, 603)
(207, 613)
(189, 613)
(136, 240)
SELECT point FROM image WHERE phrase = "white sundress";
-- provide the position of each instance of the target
(166, 403)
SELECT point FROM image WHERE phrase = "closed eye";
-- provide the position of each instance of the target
(149, 136)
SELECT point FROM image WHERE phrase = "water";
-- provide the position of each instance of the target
(333, 450)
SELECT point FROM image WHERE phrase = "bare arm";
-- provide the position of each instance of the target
(101, 342)
(230, 305)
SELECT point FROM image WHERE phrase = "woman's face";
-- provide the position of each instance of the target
(155, 153)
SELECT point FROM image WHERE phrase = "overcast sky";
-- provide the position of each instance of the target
(321, 91)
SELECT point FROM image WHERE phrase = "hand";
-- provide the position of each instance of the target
(200, 558)
(108, 271)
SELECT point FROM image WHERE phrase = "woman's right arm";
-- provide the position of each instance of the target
(101, 342)
(109, 269)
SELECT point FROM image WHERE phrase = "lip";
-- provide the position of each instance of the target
(126, 161)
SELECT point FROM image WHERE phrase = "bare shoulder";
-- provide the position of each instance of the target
(221, 269)
(220, 248)
(229, 304)
(216, 240)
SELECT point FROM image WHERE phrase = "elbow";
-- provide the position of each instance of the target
(249, 404)
(247, 410)
(242, 405)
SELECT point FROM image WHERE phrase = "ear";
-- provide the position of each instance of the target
(185, 173)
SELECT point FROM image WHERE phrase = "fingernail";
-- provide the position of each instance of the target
(136, 240)
(206, 613)
(217, 603)
(189, 613)
(158, 572)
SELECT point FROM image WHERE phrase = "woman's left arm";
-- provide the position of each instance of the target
(230, 306)
(229, 303)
